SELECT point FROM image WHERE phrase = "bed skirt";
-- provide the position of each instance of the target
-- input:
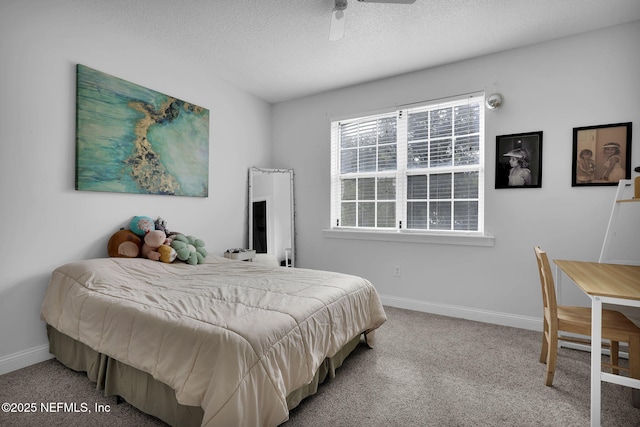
(153, 397)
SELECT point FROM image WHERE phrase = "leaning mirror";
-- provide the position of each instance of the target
(271, 216)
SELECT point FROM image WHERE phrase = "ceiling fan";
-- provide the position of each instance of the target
(336, 31)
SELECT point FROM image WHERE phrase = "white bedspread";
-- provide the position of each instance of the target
(232, 337)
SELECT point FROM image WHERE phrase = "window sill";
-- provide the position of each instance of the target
(428, 238)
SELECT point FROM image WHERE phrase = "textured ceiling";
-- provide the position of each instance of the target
(280, 49)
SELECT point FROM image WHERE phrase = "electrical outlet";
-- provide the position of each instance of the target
(396, 270)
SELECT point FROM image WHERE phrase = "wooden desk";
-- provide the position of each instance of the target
(604, 283)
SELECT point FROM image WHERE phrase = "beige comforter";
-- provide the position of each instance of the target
(232, 337)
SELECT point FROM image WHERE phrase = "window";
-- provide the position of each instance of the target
(416, 169)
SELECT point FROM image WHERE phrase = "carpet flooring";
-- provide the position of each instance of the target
(426, 370)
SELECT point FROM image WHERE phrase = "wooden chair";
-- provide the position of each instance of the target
(616, 327)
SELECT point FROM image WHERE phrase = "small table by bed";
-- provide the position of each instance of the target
(240, 254)
(604, 283)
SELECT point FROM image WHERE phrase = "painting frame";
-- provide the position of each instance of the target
(525, 149)
(601, 155)
(132, 139)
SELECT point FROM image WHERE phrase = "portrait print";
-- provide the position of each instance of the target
(601, 154)
(519, 160)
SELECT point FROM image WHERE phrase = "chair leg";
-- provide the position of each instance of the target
(615, 350)
(545, 344)
(552, 355)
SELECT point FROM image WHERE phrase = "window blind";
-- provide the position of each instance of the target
(418, 168)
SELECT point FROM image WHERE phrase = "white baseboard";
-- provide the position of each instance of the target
(486, 316)
(24, 358)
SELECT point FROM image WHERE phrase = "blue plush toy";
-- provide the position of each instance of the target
(141, 225)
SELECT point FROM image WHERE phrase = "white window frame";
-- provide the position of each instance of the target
(398, 233)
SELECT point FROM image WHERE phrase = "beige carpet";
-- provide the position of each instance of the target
(426, 370)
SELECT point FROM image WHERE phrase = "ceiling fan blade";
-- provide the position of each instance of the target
(388, 1)
(336, 32)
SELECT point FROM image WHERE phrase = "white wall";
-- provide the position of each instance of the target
(585, 80)
(590, 79)
(45, 222)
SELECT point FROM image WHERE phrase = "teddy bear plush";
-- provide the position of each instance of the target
(189, 249)
(124, 244)
(157, 247)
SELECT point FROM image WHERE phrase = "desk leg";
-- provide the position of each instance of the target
(634, 364)
(596, 359)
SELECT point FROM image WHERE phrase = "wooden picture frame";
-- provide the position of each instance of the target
(601, 154)
(519, 160)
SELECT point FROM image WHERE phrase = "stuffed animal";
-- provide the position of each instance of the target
(167, 253)
(157, 247)
(189, 249)
(161, 224)
(124, 244)
(141, 225)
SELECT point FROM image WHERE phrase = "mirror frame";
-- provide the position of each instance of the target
(253, 172)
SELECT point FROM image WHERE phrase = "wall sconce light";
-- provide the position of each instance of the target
(494, 101)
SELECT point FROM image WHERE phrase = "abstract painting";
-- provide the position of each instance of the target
(131, 139)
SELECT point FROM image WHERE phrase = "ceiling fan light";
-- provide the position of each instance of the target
(336, 30)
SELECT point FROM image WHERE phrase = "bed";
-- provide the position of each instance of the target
(222, 343)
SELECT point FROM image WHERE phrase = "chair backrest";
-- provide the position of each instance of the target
(548, 287)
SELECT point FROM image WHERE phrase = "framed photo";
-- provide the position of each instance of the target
(601, 154)
(519, 160)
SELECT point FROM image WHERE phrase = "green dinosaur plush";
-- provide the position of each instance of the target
(189, 249)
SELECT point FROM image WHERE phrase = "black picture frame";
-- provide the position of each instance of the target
(526, 150)
(601, 155)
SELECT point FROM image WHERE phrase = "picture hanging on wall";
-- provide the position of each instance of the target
(601, 154)
(130, 139)
(519, 160)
